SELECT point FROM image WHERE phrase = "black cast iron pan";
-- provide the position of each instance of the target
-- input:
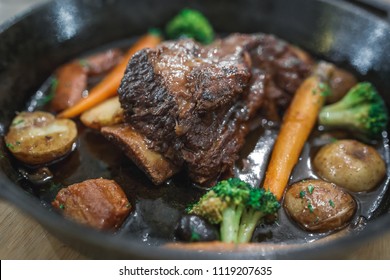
(33, 45)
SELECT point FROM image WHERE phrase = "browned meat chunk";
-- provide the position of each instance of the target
(98, 203)
(193, 102)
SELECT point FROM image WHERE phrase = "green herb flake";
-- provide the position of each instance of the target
(333, 140)
(302, 194)
(16, 122)
(54, 83)
(314, 91)
(10, 146)
(331, 203)
(311, 208)
(18, 143)
(128, 205)
(310, 188)
(55, 187)
(83, 63)
(195, 236)
(325, 89)
(46, 99)
(62, 206)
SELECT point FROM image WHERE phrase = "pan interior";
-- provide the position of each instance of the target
(95, 157)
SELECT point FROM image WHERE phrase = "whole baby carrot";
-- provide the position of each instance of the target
(297, 125)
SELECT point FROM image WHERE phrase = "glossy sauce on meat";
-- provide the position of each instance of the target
(193, 102)
(157, 209)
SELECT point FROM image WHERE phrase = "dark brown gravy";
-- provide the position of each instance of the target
(158, 208)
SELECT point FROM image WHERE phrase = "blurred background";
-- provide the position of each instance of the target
(8, 8)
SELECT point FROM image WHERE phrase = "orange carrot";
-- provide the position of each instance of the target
(109, 85)
(296, 127)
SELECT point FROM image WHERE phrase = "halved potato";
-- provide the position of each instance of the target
(105, 114)
(38, 137)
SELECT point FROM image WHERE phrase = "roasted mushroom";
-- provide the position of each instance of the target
(340, 82)
(319, 206)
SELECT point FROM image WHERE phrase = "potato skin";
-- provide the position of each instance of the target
(319, 206)
(350, 164)
(98, 203)
(37, 138)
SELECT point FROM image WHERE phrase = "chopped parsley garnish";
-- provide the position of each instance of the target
(46, 99)
(83, 62)
(9, 145)
(62, 206)
(310, 188)
(302, 194)
(15, 123)
(195, 236)
(325, 89)
(331, 203)
(18, 143)
(311, 208)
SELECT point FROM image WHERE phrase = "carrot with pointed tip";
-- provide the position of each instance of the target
(297, 125)
(109, 85)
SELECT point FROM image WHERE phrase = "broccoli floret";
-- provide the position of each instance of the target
(190, 24)
(236, 207)
(361, 109)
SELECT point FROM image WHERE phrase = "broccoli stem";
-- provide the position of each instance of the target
(230, 223)
(353, 117)
(249, 221)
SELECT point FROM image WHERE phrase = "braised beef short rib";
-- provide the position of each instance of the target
(193, 103)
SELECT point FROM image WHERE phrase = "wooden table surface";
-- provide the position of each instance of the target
(23, 238)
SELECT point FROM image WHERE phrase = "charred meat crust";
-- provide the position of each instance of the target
(148, 105)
